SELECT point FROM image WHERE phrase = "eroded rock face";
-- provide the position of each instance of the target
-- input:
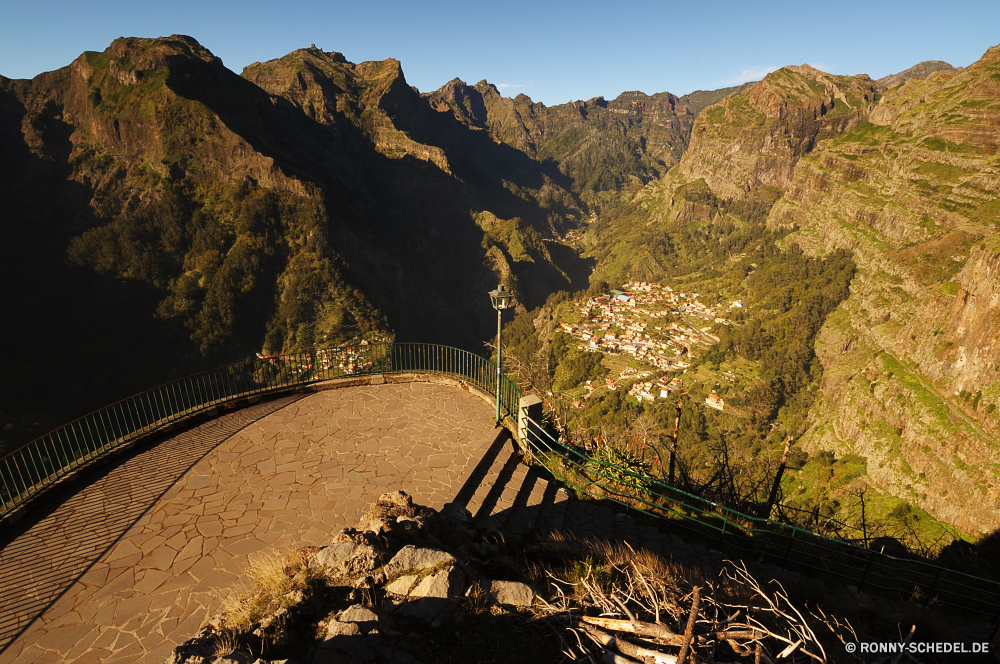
(913, 194)
(755, 138)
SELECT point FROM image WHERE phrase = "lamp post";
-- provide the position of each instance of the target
(501, 300)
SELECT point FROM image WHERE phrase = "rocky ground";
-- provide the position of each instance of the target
(409, 584)
(371, 595)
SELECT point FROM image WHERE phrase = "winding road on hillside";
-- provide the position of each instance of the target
(140, 556)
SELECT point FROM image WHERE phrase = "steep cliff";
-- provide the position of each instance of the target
(755, 138)
(911, 366)
(331, 90)
(163, 214)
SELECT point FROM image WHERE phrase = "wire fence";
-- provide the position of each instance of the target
(763, 540)
(37, 465)
(30, 469)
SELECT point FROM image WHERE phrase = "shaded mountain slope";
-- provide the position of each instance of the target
(163, 214)
(600, 146)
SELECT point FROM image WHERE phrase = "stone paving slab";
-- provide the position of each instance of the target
(134, 562)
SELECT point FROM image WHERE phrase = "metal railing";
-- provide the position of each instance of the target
(30, 469)
(761, 539)
(37, 465)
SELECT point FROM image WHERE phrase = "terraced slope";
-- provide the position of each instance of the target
(912, 361)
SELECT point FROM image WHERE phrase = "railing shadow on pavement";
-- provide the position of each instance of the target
(47, 553)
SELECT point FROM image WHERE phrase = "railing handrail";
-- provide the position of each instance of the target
(542, 443)
(30, 468)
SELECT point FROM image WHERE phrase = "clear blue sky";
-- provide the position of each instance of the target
(552, 51)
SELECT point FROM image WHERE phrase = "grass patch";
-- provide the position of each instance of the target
(269, 578)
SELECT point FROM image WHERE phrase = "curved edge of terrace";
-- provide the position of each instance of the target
(34, 469)
(130, 560)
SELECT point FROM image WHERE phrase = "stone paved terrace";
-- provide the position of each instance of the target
(132, 562)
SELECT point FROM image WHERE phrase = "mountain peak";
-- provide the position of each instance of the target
(919, 70)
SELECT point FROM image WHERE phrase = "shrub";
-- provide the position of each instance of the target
(625, 468)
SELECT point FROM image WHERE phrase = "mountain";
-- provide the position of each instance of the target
(163, 214)
(919, 70)
(600, 146)
(742, 153)
(911, 376)
(905, 179)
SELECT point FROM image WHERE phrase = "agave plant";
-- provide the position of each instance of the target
(621, 466)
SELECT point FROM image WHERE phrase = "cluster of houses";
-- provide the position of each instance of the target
(633, 313)
(651, 390)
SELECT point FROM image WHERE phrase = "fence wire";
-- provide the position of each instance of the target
(29, 469)
(761, 539)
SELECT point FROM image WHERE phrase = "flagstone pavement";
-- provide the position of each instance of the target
(138, 558)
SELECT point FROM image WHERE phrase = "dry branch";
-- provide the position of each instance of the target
(689, 630)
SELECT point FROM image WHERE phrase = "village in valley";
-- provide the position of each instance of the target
(659, 329)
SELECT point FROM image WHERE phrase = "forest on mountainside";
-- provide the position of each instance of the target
(164, 215)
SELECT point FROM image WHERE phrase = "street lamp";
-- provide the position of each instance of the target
(501, 300)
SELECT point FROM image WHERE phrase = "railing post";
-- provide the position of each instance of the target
(871, 557)
(933, 585)
(529, 408)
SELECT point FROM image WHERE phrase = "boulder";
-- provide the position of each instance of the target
(511, 593)
(434, 610)
(338, 628)
(403, 657)
(384, 515)
(348, 559)
(235, 657)
(402, 585)
(361, 616)
(413, 559)
(455, 512)
(346, 648)
(449, 582)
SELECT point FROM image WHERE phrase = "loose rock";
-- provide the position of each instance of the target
(403, 585)
(337, 628)
(350, 559)
(449, 582)
(511, 593)
(360, 615)
(413, 559)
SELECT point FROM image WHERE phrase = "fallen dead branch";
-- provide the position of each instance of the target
(622, 611)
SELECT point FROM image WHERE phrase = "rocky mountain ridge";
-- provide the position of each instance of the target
(919, 70)
(154, 199)
(914, 194)
(906, 179)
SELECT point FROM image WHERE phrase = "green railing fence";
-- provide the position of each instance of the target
(30, 469)
(762, 540)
